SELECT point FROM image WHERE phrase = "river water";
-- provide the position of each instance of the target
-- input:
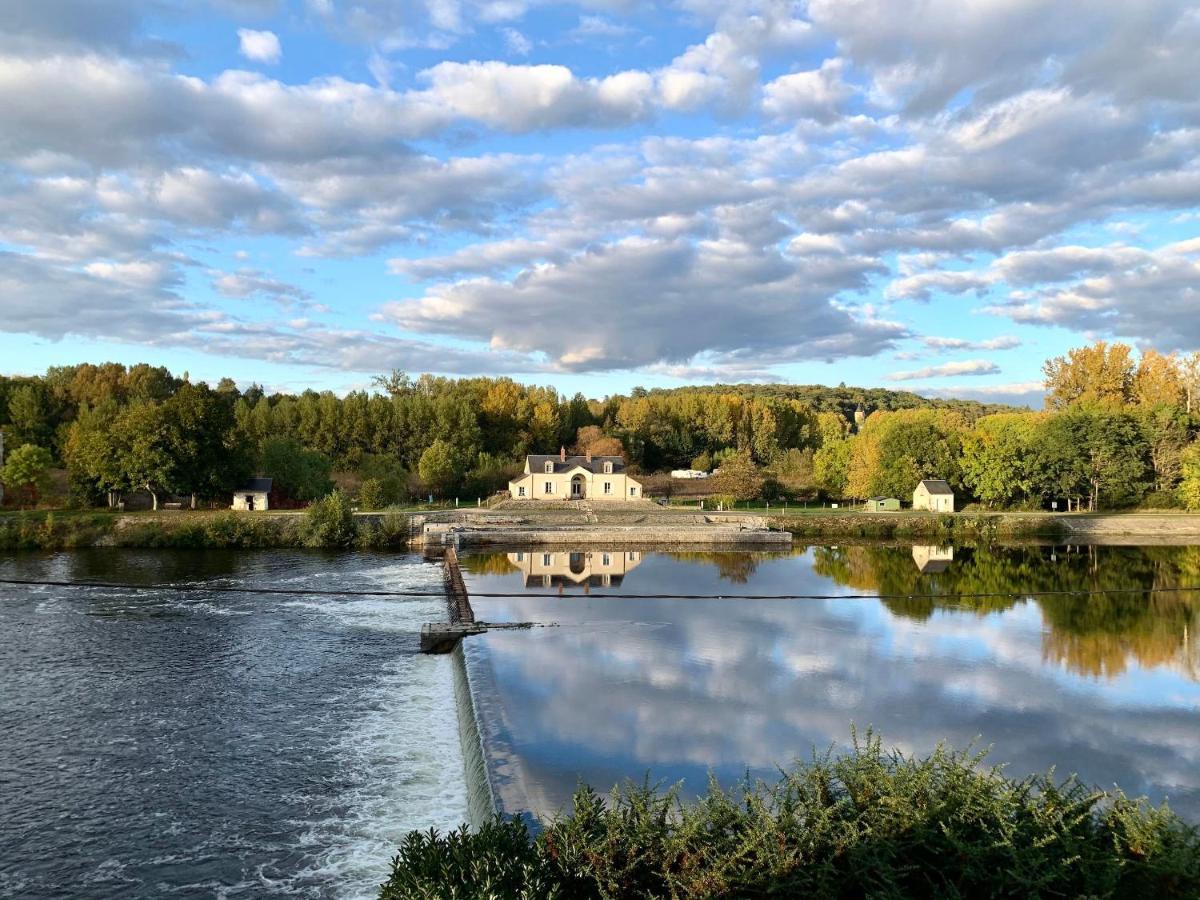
(633, 685)
(214, 744)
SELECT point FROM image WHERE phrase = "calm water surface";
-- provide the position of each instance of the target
(1107, 686)
(156, 743)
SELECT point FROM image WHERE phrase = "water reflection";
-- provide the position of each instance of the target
(932, 559)
(1105, 684)
(586, 568)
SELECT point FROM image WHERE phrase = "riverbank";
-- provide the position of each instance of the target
(987, 526)
(198, 530)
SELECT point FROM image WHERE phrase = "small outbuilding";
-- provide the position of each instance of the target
(935, 495)
(883, 504)
(253, 496)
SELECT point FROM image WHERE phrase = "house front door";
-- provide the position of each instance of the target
(576, 488)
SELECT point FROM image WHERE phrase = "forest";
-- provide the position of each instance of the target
(1118, 431)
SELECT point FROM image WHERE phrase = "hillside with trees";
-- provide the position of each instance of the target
(1117, 431)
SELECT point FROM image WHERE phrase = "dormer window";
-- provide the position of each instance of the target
(608, 468)
(549, 468)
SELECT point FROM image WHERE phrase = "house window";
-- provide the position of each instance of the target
(633, 492)
(549, 468)
(608, 487)
(634, 555)
(606, 559)
(545, 559)
(549, 487)
(520, 557)
(608, 468)
(521, 491)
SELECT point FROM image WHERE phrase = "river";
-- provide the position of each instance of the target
(156, 743)
(212, 742)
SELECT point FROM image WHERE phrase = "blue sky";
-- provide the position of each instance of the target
(932, 195)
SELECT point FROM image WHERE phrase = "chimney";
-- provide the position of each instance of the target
(589, 454)
(562, 453)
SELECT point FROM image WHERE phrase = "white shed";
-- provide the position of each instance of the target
(253, 496)
(934, 494)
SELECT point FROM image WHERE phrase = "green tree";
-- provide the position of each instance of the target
(29, 415)
(440, 467)
(998, 458)
(831, 466)
(1092, 452)
(26, 470)
(371, 494)
(1189, 484)
(299, 473)
(739, 477)
(146, 443)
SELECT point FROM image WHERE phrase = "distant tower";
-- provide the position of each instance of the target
(860, 416)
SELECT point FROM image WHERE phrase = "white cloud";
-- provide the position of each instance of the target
(817, 94)
(948, 370)
(517, 43)
(260, 46)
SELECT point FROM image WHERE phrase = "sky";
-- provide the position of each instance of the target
(933, 195)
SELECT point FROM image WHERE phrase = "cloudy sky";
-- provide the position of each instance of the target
(933, 194)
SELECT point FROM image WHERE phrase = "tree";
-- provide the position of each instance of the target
(831, 466)
(146, 440)
(739, 477)
(329, 522)
(371, 494)
(998, 458)
(1094, 452)
(1189, 485)
(29, 415)
(92, 453)
(209, 460)
(591, 439)
(440, 467)
(26, 470)
(1189, 374)
(1157, 381)
(1100, 373)
(298, 473)
(1164, 429)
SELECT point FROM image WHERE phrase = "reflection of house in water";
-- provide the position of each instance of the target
(932, 559)
(553, 568)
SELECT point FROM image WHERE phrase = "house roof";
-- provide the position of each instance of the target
(937, 486)
(537, 463)
(256, 486)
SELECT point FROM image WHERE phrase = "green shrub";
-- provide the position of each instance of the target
(329, 522)
(371, 494)
(868, 823)
(390, 533)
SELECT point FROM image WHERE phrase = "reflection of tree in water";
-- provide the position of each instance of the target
(486, 563)
(1091, 634)
(736, 567)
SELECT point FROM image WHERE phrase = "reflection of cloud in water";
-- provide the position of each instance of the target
(682, 687)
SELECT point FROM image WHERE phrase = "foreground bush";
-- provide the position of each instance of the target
(867, 824)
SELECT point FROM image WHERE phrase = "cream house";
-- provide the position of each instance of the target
(565, 477)
(558, 568)
(934, 494)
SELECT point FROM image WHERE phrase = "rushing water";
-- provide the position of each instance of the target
(923, 644)
(156, 743)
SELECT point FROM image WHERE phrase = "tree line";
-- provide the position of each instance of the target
(1115, 432)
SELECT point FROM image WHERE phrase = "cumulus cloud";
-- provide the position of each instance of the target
(657, 301)
(818, 94)
(260, 46)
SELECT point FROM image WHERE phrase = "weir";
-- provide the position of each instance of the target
(443, 637)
